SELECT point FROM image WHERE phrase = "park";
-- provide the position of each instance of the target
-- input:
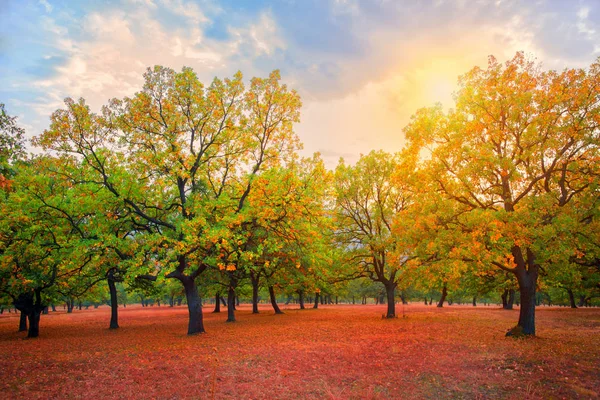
(217, 199)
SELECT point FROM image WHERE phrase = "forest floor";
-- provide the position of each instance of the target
(335, 352)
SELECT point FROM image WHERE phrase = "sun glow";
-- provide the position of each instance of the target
(436, 81)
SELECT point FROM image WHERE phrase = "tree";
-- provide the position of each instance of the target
(368, 198)
(513, 159)
(181, 159)
(12, 146)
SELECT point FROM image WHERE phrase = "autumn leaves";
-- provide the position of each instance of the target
(203, 185)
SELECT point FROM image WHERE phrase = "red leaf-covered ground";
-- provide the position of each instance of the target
(335, 352)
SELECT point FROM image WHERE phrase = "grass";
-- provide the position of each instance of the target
(335, 352)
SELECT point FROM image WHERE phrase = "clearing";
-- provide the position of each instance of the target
(335, 352)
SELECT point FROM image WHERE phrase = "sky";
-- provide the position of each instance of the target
(362, 67)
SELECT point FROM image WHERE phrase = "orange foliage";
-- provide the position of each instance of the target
(337, 352)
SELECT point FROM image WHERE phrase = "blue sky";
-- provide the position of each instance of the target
(362, 66)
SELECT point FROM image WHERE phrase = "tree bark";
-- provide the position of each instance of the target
(511, 299)
(443, 298)
(274, 301)
(301, 299)
(474, 301)
(317, 295)
(527, 279)
(70, 305)
(231, 304)
(571, 298)
(217, 303)
(254, 278)
(114, 303)
(34, 322)
(195, 322)
(23, 322)
(390, 290)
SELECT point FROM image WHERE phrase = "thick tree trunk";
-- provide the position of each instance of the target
(254, 278)
(301, 299)
(114, 303)
(217, 303)
(274, 300)
(571, 298)
(474, 301)
(527, 284)
(231, 304)
(443, 298)
(390, 290)
(195, 322)
(30, 305)
(23, 322)
(34, 322)
(317, 295)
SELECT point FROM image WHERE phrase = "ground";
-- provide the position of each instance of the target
(335, 352)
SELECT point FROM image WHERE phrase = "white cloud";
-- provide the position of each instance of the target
(262, 37)
(47, 6)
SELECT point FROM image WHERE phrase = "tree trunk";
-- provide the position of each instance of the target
(53, 307)
(403, 298)
(443, 298)
(70, 305)
(527, 284)
(474, 301)
(317, 295)
(254, 278)
(217, 303)
(571, 298)
(301, 299)
(274, 301)
(390, 290)
(45, 310)
(231, 304)
(114, 303)
(79, 304)
(34, 322)
(511, 299)
(195, 322)
(23, 322)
